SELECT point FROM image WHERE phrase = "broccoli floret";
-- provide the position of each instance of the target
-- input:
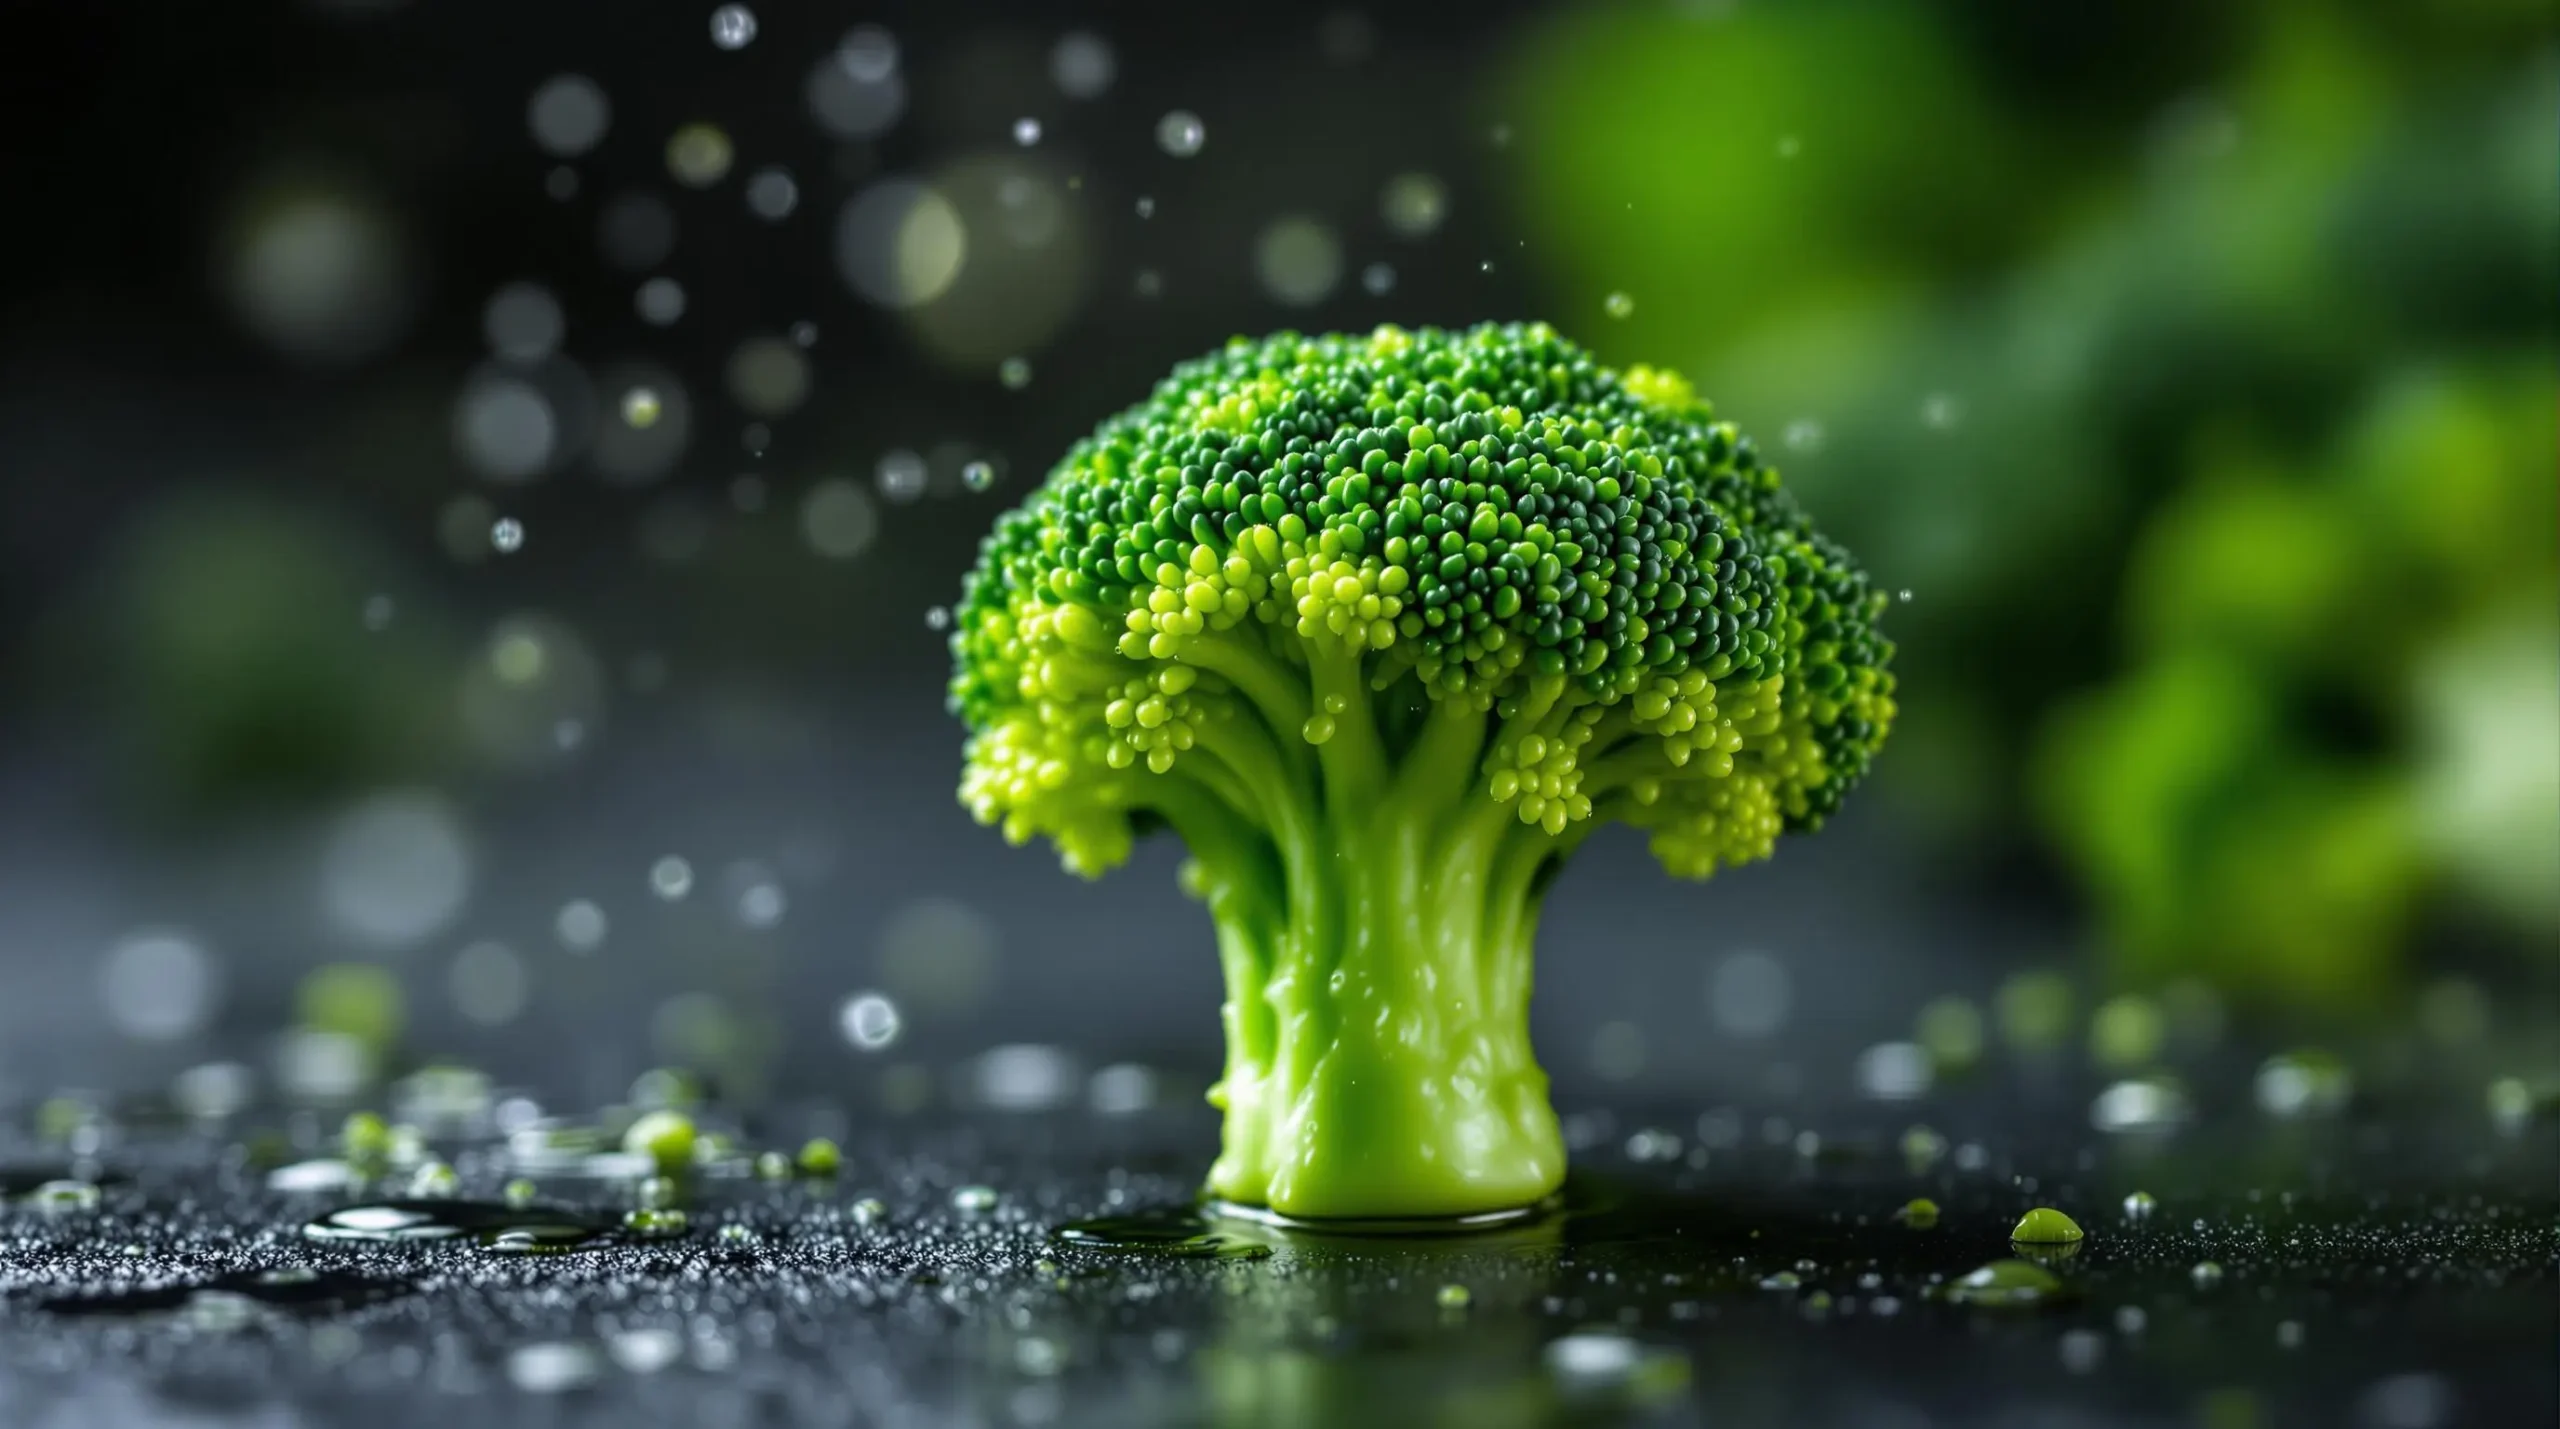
(1383, 626)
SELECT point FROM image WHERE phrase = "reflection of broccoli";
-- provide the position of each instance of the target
(1383, 626)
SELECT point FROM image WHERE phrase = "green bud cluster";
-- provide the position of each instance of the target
(1485, 520)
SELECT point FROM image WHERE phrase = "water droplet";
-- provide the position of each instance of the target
(1903, 595)
(1941, 411)
(671, 877)
(1378, 279)
(974, 1200)
(551, 1368)
(1485, 267)
(1180, 133)
(937, 617)
(507, 535)
(660, 301)
(772, 193)
(2046, 1226)
(2206, 1275)
(978, 475)
(378, 611)
(657, 1222)
(1618, 305)
(1805, 435)
(1014, 373)
(869, 1021)
(1782, 1280)
(2140, 1205)
(1413, 204)
(1026, 131)
(568, 115)
(1146, 206)
(64, 1197)
(640, 407)
(580, 926)
(1082, 65)
(1920, 1213)
(1454, 1297)
(1183, 1234)
(1789, 146)
(504, 1229)
(733, 27)
(2007, 1285)
(698, 155)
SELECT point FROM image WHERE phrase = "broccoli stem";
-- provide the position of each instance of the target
(1376, 951)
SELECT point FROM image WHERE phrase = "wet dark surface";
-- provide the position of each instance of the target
(1715, 1268)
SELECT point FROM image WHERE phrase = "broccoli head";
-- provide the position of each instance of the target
(1382, 627)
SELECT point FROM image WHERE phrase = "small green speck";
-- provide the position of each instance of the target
(1619, 305)
(366, 1138)
(1920, 1213)
(819, 1157)
(1922, 1146)
(61, 1198)
(773, 1166)
(2140, 1205)
(869, 1211)
(519, 1193)
(2046, 1226)
(1782, 1280)
(1455, 1297)
(655, 1223)
(2206, 1275)
(665, 1137)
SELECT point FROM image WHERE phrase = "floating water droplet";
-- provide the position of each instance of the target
(974, 1200)
(733, 27)
(657, 1222)
(1789, 146)
(1919, 1213)
(507, 535)
(1082, 65)
(772, 193)
(1146, 206)
(568, 115)
(2206, 1274)
(1180, 133)
(64, 1197)
(1805, 435)
(660, 301)
(671, 878)
(2140, 1205)
(640, 407)
(1378, 279)
(978, 475)
(1454, 1297)
(869, 1020)
(580, 926)
(698, 155)
(937, 617)
(1014, 373)
(1026, 131)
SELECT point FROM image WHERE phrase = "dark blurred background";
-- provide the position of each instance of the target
(477, 483)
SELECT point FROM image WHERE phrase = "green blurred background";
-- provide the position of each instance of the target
(2209, 430)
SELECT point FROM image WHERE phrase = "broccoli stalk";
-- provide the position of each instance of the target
(1382, 627)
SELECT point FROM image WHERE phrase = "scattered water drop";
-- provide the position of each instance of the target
(506, 536)
(2206, 1274)
(772, 193)
(1183, 1233)
(699, 155)
(2007, 1285)
(1082, 65)
(552, 1367)
(2140, 1206)
(64, 1197)
(503, 1229)
(937, 617)
(671, 878)
(1413, 204)
(733, 27)
(660, 301)
(2046, 1226)
(657, 1222)
(1378, 279)
(580, 926)
(974, 1200)
(1026, 131)
(1014, 373)
(1454, 1297)
(1805, 435)
(869, 1021)
(640, 407)
(568, 115)
(1618, 305)
(1180, 133)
